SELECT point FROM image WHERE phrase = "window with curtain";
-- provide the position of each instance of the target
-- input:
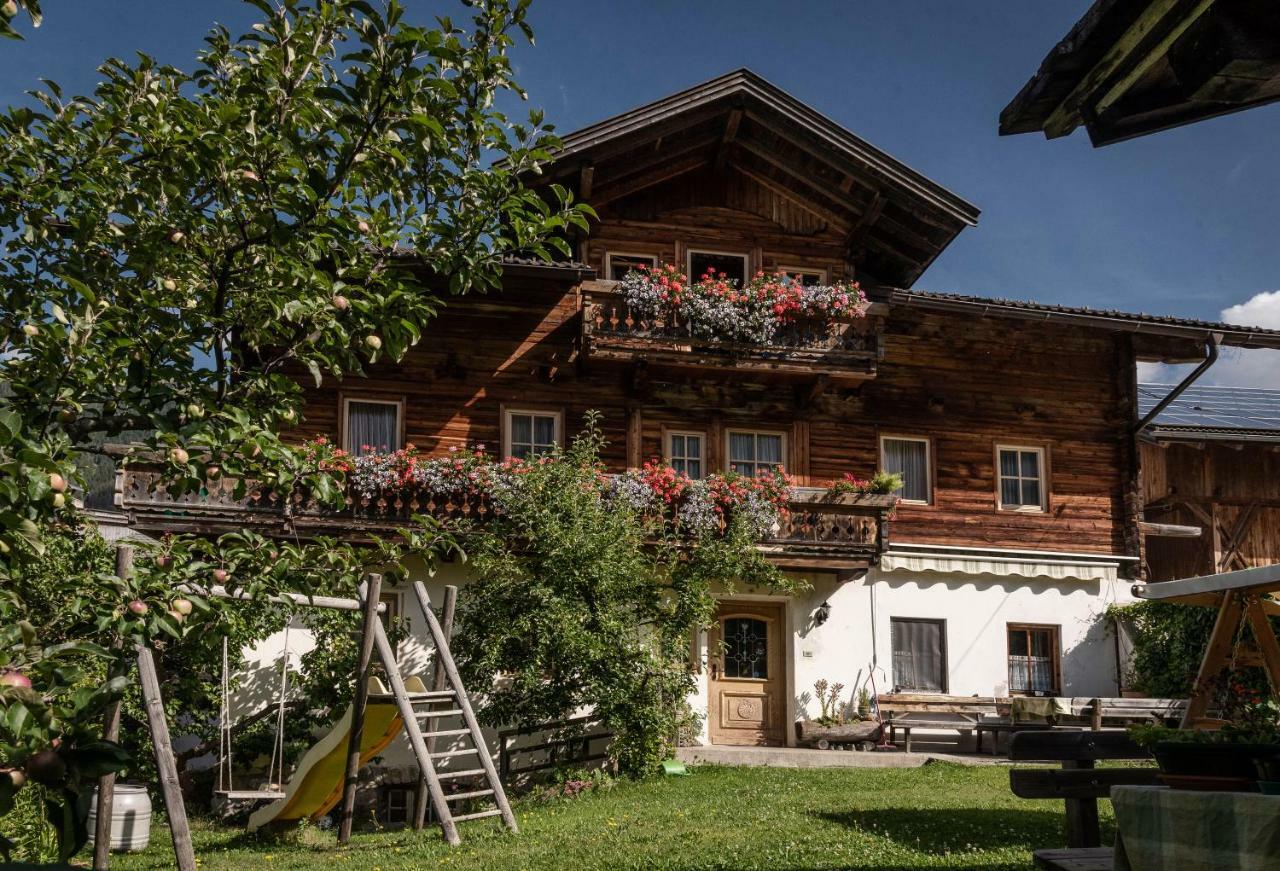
(531, 433)
(1033, 660)
(372, 426)
(908, 457)
(919, 654)
(1021, 472)
(751, 453)
(684, 453)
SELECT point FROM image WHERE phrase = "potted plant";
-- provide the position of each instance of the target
(864, 703)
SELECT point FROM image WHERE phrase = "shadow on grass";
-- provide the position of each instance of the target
(941, 831)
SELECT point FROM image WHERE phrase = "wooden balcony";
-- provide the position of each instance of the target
(843, 351)
(819, 533)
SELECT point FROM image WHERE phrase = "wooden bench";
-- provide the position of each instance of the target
(963, 714)
(1103, 712)
(1079, 783)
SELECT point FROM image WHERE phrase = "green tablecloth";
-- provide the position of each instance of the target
(1158, 828)
(1031, 709)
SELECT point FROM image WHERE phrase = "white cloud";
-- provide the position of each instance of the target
(1236, 367)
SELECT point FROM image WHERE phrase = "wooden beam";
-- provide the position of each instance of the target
(860, 229)
(731, 125)
(1153, 56)
(1221, 640)
(166, 763)
(1265, 578)
(110, 732)
(1141, 35)
(791, 195)
(1265, 636)
(664, 171)
(1169, 530)
(586, 176)
(355, 736)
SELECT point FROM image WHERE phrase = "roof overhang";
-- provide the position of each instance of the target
(894, 219)
(1132, 67)
(1169, 328)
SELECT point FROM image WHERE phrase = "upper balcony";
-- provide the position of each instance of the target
(846, 350)
(820, 532)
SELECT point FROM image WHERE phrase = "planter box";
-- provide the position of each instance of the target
(814, 734)
(1192, 759)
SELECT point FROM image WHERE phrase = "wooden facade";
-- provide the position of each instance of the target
(1229, 490)
(736, 166)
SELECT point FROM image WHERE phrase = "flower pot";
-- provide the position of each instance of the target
(1196, 759)
(130, 817)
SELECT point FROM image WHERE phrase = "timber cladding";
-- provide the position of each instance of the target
(966, 385)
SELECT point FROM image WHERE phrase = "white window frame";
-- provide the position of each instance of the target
(728, 442)
(928, 464)
(370, 400)
(508, 413)
(688, 261)
(702, 448)
(1042, 464)
(609, 255)
(824, 275)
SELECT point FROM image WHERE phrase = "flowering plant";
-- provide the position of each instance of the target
(702, 506)
(716, 307)
(881, 483)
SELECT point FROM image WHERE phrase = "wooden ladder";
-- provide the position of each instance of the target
(422, 713)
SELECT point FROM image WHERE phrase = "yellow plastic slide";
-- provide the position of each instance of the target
(316, 784)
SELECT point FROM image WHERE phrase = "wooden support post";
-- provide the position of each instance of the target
(1095, 720)
(1265, 637)
(1082, 813)
(166, 765)
(110, 732)
(371, 591)
(1221, 640)
(437, 684)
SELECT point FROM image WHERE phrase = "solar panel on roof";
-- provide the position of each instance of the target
(1212, 407)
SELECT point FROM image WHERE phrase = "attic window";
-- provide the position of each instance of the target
(732, 266)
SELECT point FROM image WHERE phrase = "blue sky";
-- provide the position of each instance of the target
(1182, 222)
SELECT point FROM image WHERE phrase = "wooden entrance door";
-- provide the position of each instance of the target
(747, 684)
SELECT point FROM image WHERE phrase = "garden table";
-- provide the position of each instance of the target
(1160, 828)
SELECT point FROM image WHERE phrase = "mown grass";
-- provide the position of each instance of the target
(938, 816)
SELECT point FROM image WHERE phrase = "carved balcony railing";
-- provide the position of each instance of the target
(845, 349)
(819, 531)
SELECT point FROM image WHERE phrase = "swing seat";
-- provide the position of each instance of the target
(248, 794)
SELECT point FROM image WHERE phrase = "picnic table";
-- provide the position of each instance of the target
(1159, 828)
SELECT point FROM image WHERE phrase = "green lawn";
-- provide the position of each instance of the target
(939, 816)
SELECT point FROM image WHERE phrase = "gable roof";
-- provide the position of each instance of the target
(1205, 412)
(895, 220)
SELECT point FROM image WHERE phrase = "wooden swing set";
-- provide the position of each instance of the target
(1242, 598)
(419, 711)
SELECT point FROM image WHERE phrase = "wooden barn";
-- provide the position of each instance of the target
(1211, 465)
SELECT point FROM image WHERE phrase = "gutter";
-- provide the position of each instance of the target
(1211, 347)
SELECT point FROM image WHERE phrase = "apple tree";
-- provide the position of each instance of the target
(177, 246)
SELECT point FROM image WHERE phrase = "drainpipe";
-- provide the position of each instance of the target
(1211, 346)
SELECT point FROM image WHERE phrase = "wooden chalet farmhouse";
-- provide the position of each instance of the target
(1021, 515)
